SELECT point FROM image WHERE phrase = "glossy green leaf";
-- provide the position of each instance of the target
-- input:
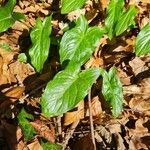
(112, 90)
(40, 43)
(114, 11)
(126, 20)
(66, 90)
(6, 19)
(142, 44)
(18, 16)
(27, 128)
(79, 43)
(71, 5)
(49, 146)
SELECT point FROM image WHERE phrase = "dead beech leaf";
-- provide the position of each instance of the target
(140, 104)
(94, 62)
(96, 107)
(139, 130)
(74, 116)
(44, 131)
(136, 144)
(138, 65)
(35, 145)
(15, 93)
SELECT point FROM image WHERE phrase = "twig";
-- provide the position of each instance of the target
(59, 126)
(91, 120)
(71, 131)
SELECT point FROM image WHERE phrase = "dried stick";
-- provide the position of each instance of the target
(70, 133)
(91, 119)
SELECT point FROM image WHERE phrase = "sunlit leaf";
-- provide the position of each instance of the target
(66, 90)
(112, 90)
(70, 5)
(142, 44)
(114, 11)
(27, 128)
(126, 20)
(79, 43)
(40, 43)
(6, 19)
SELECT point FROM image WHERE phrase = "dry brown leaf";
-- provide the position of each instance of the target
(14, 93)
(94, 62)
(44, 131)
(120, 142)
(138, 65)
(140, 104)
(74, 116)
(35, 145)
(96, 107)
(136, 144)
(139, 130)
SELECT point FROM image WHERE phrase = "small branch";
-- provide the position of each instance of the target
(91, 119)
(70, 133)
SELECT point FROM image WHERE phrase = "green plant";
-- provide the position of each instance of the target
(71, 85)
(142, 44)
(8, 17)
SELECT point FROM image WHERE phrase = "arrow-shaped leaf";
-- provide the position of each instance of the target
(114, 10)
(79, 43)
(112, 90)
(27, 128)
(6, 19)
(66, 90)
(142, 44)
(126, 20)
(70, 5)
(41, 43)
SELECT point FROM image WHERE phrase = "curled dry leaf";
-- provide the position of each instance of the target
(44, 131)
(74, 116)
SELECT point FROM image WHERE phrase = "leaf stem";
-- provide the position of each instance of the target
(91, 119)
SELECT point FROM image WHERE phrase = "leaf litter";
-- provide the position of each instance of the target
(131, 130)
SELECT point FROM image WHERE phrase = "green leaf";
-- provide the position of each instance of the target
(49, 146)
(112, 90)
(71, 5)
(66, 90)
(114, 11)
(142, 44)
(27, 128)
(18, 16)
(126, 20)
(6, 19)
(40, 43)
(79, 43)
(22, 57)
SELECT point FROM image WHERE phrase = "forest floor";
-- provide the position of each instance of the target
(21, 86)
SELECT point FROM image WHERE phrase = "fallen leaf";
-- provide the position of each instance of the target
(44, 131)
(74, 116)
(35, 145)
(96, 107)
